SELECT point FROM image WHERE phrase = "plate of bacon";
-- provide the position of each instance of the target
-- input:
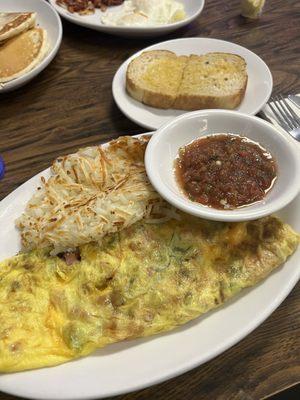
(131, 18)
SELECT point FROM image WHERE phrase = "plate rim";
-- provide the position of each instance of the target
(178, 370)
(121, 73)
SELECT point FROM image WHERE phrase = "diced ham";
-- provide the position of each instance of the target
(71, 257)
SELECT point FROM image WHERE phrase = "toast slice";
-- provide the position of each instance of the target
(154, 78)
(22, 53)
(214, 80)
(164, 80)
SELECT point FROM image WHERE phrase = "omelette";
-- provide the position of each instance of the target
(141, 281)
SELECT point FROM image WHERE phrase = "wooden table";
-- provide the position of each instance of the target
(70, 106)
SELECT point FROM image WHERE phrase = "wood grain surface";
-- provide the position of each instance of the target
(70, 105)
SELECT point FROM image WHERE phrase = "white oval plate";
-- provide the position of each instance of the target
(132, 365)
(259, 88)
(193, 9)
(48, 19)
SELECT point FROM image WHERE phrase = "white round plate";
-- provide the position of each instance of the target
(48, 19)
(193, 9)
(259, 88)
(132, 365)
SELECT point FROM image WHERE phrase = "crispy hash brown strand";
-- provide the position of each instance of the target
(96, 191)
(146, 279)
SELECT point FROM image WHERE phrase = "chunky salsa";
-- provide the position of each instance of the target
(225, 171)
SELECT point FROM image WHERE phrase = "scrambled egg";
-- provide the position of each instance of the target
(145, 13)
(141, 281)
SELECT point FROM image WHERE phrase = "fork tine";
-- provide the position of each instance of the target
(285, 112)
(288, 116)
(282, 112)
(277, 115)
(291, 111)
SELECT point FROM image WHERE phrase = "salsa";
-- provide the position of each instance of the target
(225, 171)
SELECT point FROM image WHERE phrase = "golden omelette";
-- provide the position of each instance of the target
(146, 279)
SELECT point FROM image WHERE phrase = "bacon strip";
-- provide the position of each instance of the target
(88, 6)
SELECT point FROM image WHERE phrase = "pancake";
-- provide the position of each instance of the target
(22, 53)
(12, 24)
(143, 280)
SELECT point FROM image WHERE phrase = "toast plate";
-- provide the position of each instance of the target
(193, 9)
(259, 87)
(48, 19)
(155, 359)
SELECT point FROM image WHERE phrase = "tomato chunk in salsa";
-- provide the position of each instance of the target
(225, 171)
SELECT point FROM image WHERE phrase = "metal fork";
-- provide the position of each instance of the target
(285, 115)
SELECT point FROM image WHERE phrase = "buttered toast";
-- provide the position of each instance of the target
(162, 79)
(154, 77)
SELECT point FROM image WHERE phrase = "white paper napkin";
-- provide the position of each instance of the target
(269, 113)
